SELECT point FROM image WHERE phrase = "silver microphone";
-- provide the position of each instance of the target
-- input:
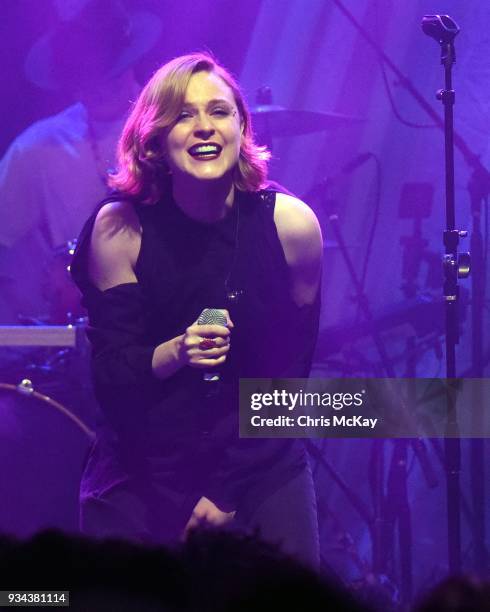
(212, 316)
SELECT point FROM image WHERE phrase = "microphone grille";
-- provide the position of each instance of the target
(212, 316)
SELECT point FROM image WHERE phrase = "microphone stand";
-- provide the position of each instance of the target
(480, 177)
(444, 30)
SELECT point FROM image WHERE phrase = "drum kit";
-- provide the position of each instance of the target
(44, 441)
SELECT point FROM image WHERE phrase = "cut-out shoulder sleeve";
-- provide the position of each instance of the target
(121, 351)
(117, 332)
(300, 345)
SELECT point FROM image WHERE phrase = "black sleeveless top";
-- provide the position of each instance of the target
(183, 267)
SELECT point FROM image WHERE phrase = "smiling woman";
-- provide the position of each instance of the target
(173, 101)
(192, 227)
(204, 142)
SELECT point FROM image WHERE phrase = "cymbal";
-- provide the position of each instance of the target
(274, 120)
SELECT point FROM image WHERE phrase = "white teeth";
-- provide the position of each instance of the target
(201, 149)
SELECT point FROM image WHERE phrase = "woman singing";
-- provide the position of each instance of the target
(191, 226)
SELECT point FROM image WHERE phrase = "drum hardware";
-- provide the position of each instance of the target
(385, 520)
(423, 313)
(70, 341)
(51, 364)
(60, 291)
(58, 359)
(327, 193)
(281, 122)
(43, 448)
(26, 388)
(373, 582)
(274, 121)
(39, 335)
(416, 205)
(359, 361)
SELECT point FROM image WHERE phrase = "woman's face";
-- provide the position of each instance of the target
(204, 142)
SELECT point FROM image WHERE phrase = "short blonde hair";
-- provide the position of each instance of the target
(142, 170)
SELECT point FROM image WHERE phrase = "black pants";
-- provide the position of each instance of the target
(286, 517)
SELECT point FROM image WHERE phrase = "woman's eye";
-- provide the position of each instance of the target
(221, 112)
(184, 115)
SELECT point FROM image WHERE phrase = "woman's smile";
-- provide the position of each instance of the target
(205, 151)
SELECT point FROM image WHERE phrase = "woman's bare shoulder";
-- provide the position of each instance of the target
(115, 245)
(297, 226)
(115, 218)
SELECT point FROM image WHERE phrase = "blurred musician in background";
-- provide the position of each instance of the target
(54, 171)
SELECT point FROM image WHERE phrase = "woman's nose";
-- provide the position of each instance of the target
(203, 123)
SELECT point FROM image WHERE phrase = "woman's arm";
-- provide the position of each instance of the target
(301, 239)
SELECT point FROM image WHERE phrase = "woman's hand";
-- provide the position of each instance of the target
(206, 346)
(207, 512)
